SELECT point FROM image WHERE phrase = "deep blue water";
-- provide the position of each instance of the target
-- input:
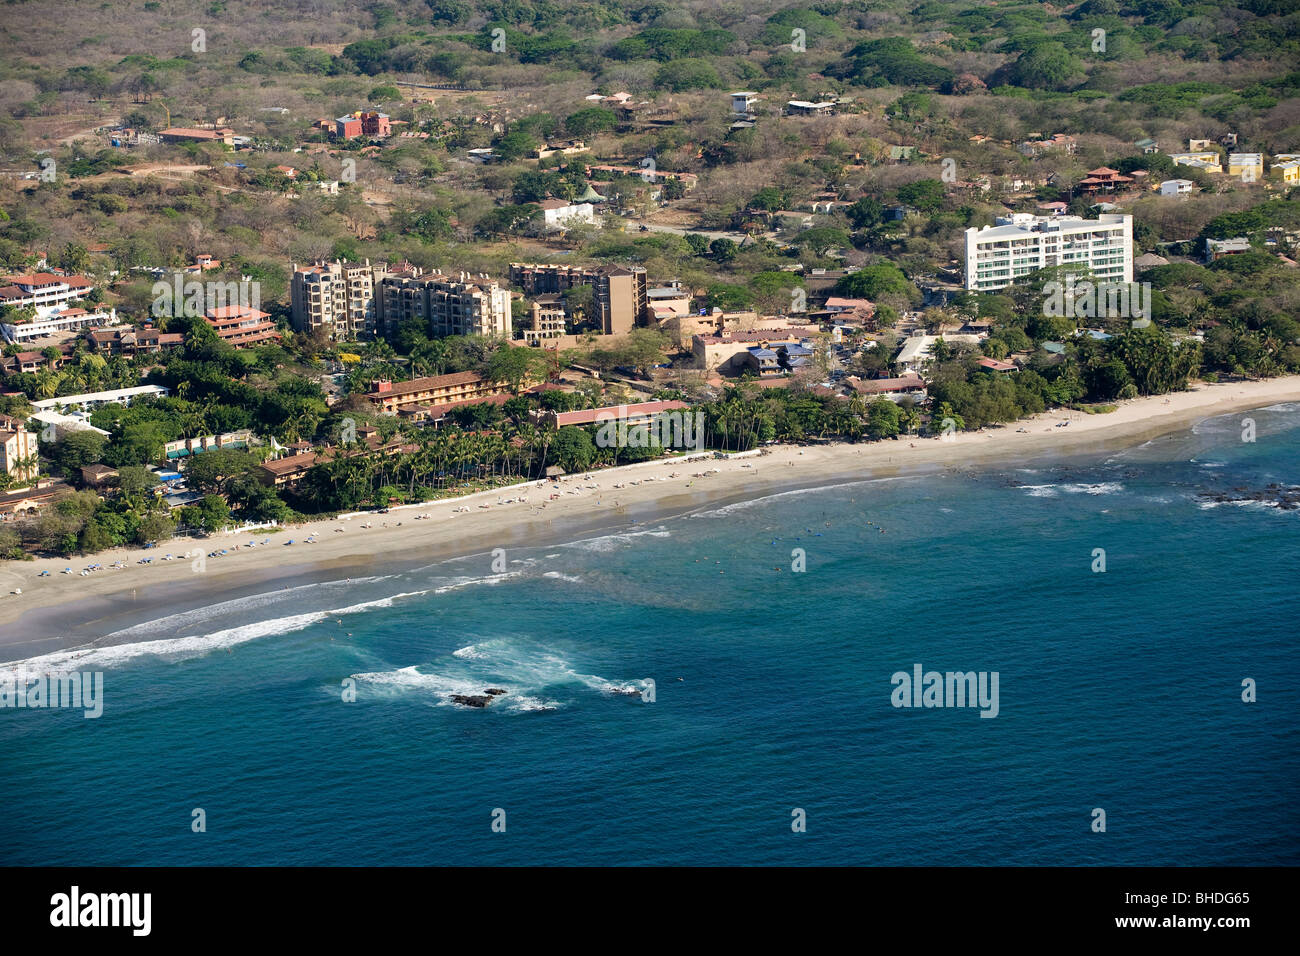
(1118, 690)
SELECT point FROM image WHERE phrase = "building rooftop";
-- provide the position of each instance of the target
(591, 416)
(427, 383)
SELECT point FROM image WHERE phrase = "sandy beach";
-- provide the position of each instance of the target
(64, 609)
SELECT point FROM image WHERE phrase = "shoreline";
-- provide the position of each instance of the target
(66, 611)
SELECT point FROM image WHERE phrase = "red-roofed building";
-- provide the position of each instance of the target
(638, 414)
(241, 325)
(455, 389)
(43, 289)
(361, 123)
(993, 365)
(887, 386)
(132, 341)
(1104, 180)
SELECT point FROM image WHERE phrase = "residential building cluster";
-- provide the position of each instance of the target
(998, 255)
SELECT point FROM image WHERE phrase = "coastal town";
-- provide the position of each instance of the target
(267, 315)
(524, 434)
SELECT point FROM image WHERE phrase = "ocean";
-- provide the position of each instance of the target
(678, 693)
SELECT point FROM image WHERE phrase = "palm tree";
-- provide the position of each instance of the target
(47, 383)
(27, 467)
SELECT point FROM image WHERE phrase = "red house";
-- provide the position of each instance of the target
(1104, 180)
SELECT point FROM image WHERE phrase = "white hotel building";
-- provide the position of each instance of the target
(996, 256)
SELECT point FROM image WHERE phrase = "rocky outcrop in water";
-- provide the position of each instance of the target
(472, 700)
(1285, 497)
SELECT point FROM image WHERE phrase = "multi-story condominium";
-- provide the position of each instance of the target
(537, 278)
(336, 297)
(18, 458)
(241, 325)
(53, 321)
(546, 319)
(619, 292)
(667, 302)
(996, 256)
(43, 290)
(393, 398)
(621, 295)
(459, 305)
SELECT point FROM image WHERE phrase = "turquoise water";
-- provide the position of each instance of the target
(1118, 690)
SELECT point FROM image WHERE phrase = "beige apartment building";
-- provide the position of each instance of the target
(336, 297)
(451, 305)
(620, 298)
(619, 292)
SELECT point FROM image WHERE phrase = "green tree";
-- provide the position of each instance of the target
(572, 449)
(1046, 66)
(77, 449)
(585, 123)
(155, 527)
(871, 282)
(514, 365)
(211, 514)
(924, 194)
(884, 419)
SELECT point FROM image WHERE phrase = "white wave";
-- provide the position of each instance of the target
(528, 673)
(1248, 503)
(177, 648)
(532, 704)
(195, 645)
(1101, 488)
(468, 582)
(559, 575)
(410, 678)
(1039, 491)
(735, 506)
(610, 542)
